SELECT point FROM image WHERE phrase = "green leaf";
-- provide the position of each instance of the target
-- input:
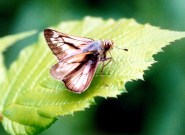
(2, 69)
(34, 100)
(11, 39)
(7, 41)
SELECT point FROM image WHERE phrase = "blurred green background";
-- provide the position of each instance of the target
(152, 107)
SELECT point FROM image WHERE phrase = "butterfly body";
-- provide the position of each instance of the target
(99, 48)
(78, 58)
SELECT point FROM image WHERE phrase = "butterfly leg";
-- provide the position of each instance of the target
(112, 57)
(103, 65)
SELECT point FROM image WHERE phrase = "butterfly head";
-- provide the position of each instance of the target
(108, 44)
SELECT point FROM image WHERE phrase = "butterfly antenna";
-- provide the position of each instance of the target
(121, 48)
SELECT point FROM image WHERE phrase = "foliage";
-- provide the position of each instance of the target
(31, 100)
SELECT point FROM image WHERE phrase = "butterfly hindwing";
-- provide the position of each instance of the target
(76, 71)
(80, 79)
(66, 66)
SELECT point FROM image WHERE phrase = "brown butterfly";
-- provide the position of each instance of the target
(78, 58)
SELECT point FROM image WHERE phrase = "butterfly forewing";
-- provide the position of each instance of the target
(63, 45)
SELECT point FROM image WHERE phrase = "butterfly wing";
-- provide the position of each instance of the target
(63, 45)
(76, 71)
(68, 65)
(76, 67)
(80, 80)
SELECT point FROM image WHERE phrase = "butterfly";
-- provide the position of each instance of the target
(78, 58)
